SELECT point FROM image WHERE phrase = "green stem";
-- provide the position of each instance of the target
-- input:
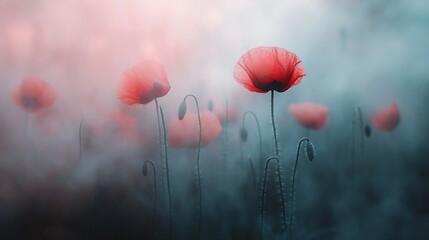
(198, 162)
(258, 127)
(274, 124)
(160, 143)
(80, 139)
(294, 176)
(155, 197)
(168, 174)
(276, 158)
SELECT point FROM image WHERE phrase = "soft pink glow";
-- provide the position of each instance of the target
(310, 115)
(387, 119)
(184, 133)
(33, 94)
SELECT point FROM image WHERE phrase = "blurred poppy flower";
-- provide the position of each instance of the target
(219, 108)
(310, 115)
(264, 69)
(184, 133)
(387, 119)
(143, 83)
(33, 94)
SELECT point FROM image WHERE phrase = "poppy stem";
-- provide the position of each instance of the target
(160, 143)
(276, 158)
(156, 193)
(359, 118)
(80, 139)
(225, 141)
(360, 127)
(274, 124)
(198, 162)
(258, 127)
(298, 150)
(168, 174)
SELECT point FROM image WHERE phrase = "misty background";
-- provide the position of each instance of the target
(356, 53)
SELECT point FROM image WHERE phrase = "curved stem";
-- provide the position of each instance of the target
(160, 143)
(168, 174)
(155, 197)
(258, 126)
(293, 177)
(198, 162)
(276, 158)
(274, 124)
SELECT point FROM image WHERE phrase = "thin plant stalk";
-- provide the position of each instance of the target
(80, 139)
(155, 196)
(250, 164)
(168, 175)
(276, 158)
(298, 150)
(359, 118)
(274, 124)
(198, 163)
(160, 143)
(258, 127)
(225, 140)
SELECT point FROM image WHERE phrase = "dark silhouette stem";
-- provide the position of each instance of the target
(80, 139)
(258, 127)
(276, 158)
(298, 150)
(198, 163)
(168, 174)
(155, 196)
(274, 124)
(225, 141)
(360, 128)
(160, 143)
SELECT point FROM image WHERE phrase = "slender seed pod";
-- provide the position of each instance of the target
(309, 150)
(182, 110)
(144, 170)
(367, 131)
(243, 134)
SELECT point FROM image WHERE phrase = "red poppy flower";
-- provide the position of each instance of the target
(185, 132)
(310, 115)
(263, 69)
(387, 119)
(143, 83)
(33, 94)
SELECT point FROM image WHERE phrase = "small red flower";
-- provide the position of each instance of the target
(33, 94)
(310, 115)
(185, 132)
(143, 83)
(387, 119)
(263, 69)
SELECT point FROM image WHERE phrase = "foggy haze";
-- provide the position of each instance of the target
(74, 170)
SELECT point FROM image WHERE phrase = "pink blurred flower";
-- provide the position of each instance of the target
(310, 115)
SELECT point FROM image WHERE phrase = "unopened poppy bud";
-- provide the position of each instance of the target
(367, 130)
(144, 170)
(210, 105)
(309, 149)
(182, 110)
(243, 134)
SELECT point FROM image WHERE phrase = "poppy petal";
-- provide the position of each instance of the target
(263, 69)
(387, 119)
